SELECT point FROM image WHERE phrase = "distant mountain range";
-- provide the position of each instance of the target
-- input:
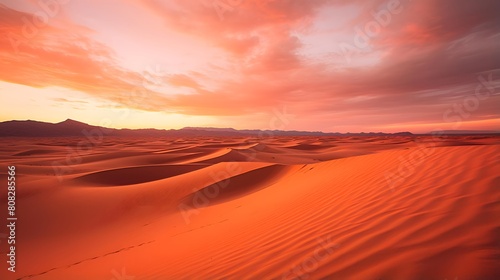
(72, 128)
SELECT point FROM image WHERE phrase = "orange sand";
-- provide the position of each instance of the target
(248, 208)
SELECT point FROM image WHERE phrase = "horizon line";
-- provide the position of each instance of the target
(258, 129)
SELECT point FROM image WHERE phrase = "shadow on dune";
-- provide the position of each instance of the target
(136, 175)
(237, 186)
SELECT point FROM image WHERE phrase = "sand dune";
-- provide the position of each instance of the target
(249, 208)
(239, 185)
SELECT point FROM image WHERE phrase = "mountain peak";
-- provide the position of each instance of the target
(70, 121)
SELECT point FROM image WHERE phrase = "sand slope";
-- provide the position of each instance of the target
(317, 208)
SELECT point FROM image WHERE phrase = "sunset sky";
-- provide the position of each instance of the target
(324, 65)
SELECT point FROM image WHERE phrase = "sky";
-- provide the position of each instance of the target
(319, 65)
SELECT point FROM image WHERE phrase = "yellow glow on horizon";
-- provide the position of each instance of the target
(47, 104)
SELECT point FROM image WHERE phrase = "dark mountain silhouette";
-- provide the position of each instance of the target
(72, 128)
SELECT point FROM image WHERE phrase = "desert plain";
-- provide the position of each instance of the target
(420, 207)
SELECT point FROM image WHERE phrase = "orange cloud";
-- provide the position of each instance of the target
(65, 57)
